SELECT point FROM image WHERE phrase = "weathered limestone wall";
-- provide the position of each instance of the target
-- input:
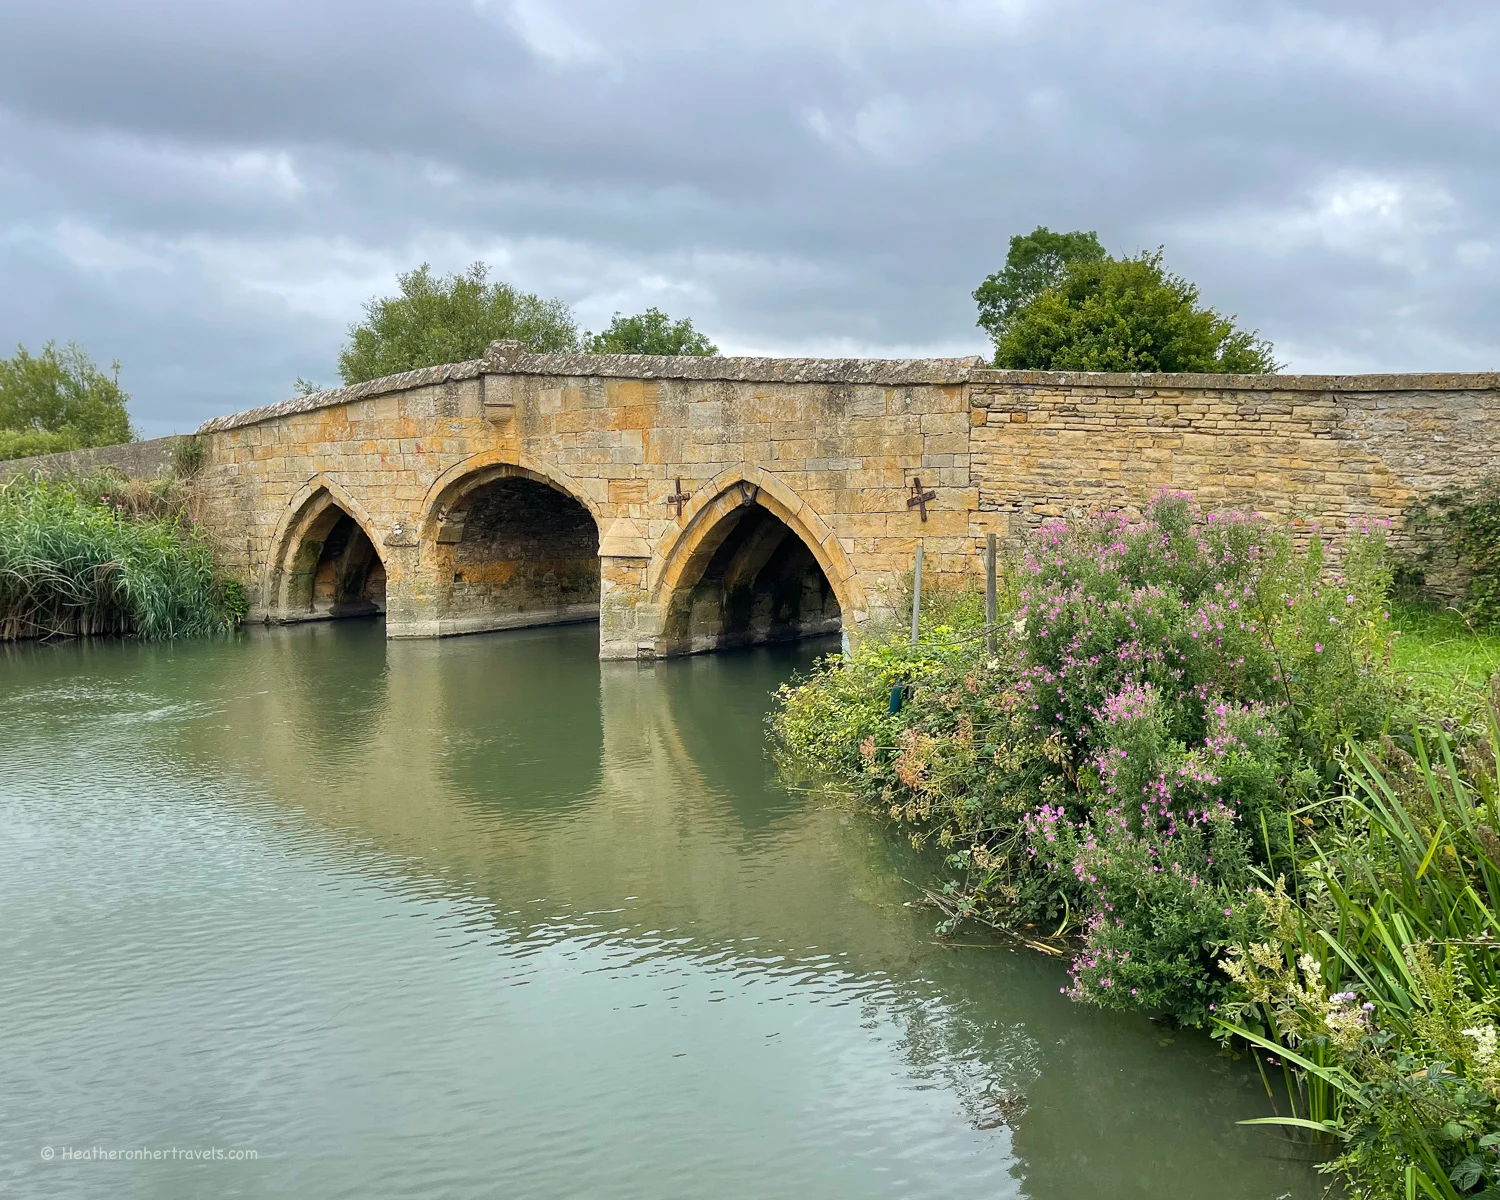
(659, 451)
(699, 503)
(1310, 450)
(135, 460)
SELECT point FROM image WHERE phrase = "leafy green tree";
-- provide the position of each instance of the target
(1127, 314)
(1036, 261)
(59, 400)
(442, 319)
(650, 332)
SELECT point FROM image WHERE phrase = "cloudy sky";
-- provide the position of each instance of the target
(208, 191)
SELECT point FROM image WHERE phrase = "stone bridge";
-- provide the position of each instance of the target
(691, 504)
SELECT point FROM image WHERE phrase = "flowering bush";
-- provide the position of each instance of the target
(1170, 688)
(1198, 607)
(1198, 673)
(1185, 709)
(1163, 854)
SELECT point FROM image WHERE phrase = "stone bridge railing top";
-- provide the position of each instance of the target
(1417, 381)
(507, 358)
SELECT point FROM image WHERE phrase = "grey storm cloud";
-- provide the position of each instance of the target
(207, 193)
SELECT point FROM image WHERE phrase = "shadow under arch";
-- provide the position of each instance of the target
(752, 563)
(325, 561)
(505, 542)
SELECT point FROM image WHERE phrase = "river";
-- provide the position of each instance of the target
(486, 917)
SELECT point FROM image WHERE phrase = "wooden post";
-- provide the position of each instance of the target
(916, 594)
(991, 600)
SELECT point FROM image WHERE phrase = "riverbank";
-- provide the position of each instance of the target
(102, 554)
(1209, 765)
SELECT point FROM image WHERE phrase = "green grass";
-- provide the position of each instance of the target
(1445, 657)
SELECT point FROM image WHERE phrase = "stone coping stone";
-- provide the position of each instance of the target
(1447, 381)
(889, 372)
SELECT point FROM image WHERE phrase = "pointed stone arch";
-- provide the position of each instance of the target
(298, 541)
(724, 492)
(448, 491)
(710, 517)
(504, 541)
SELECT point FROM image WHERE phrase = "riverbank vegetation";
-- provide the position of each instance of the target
(1216, 771)
(106, 555)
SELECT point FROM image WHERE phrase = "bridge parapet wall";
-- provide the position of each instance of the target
(649, 446)
(662, 453)
(1311, 450)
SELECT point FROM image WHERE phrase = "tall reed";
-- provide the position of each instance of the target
(1381, 987)
(99, 556)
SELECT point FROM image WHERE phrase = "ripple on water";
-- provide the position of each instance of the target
(391, 980)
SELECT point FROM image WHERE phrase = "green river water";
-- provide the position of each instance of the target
(485, 917)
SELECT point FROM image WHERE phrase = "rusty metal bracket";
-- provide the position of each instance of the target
(920, 499)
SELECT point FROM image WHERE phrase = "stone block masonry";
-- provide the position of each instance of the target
(1312, 451)
(525, 488)
(659, 456)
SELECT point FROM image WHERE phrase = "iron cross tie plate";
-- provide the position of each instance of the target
(920, 499)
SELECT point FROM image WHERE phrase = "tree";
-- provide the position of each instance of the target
(650, 332)
(1127, 314)
(59, 400)
(1036, 262)
(442, 319)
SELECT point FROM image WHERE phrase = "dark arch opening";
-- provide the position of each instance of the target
(751, 580)
(336, 572)
(517, 552)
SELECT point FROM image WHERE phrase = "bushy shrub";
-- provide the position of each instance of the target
(1168, 690)
(1465, 523)
(25, 443)
(1191, 755)
(1162, 850)
(1201, 606)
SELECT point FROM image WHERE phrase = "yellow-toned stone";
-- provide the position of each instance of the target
(835, 455)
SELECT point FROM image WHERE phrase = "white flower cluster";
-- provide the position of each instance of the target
(1486, 1051)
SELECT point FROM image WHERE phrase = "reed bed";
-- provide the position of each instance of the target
(1379, 990)
(102, 555)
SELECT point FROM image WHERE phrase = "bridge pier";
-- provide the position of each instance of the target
(410, 606)
(627, 620)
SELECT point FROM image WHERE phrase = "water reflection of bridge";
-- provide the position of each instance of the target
(573, 798)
